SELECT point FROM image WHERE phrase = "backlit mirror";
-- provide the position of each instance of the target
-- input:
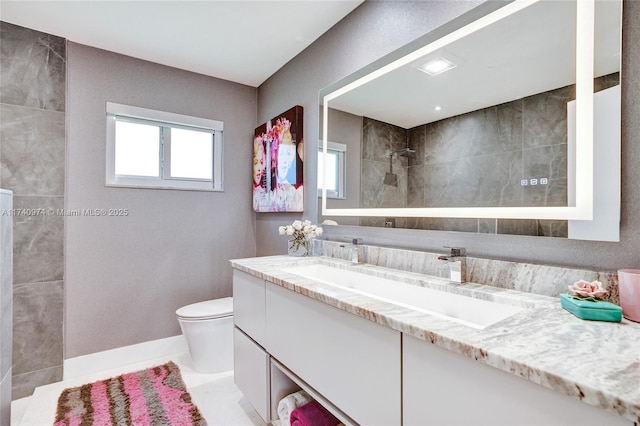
(483, 125)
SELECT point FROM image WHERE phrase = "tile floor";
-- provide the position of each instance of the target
(217, 397)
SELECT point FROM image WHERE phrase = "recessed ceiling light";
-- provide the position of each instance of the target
(438, 108)
(437, 66)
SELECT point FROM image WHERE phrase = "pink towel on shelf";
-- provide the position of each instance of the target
(312, 414)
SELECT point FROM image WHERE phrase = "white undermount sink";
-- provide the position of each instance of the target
(475, 313)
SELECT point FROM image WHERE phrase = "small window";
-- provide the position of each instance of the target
(155, 149)
(334, 165)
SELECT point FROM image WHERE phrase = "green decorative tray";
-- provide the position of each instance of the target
(590, 309)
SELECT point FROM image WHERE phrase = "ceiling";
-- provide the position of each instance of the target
(510, 59)
(243, 41)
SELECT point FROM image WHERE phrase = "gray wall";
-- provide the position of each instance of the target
(126, 276)
(377, 28)
(32, 157)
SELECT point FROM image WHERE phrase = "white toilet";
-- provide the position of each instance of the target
(208, 328)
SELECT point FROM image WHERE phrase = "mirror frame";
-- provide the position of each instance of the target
(477, 18)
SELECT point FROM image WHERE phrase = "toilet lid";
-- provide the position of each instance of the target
(208, 309)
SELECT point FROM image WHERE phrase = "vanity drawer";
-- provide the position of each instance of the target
(249, 305)
(442, 388)
(350, 361)
(251, 372)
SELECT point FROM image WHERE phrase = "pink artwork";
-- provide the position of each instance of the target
(278, 152)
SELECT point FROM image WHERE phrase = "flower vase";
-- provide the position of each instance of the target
(299, 247)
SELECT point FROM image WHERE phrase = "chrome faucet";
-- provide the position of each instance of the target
(353, 250)
(455, 266)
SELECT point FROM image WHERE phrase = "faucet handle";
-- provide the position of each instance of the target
(354, 242)
(457, 251)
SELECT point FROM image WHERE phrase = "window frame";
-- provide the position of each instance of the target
(341, 150)
(163, 120)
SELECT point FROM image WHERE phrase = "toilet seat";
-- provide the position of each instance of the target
(209, 309)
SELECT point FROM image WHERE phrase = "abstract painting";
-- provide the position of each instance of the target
(278, 153)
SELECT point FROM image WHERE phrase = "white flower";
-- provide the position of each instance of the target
(306, 223)
(282, 230)
(290, 230)
(297, 225)
(312, 231)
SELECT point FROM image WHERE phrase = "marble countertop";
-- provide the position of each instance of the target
(596, 362)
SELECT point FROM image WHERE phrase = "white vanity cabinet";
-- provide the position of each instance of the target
(442, 388)
(352, 362)
(369, 374)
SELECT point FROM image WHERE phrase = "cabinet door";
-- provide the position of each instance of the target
(442, 388)
(248, 305)
(251, 372)
(350, 361)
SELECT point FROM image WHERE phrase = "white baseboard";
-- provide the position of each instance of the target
(119, 357)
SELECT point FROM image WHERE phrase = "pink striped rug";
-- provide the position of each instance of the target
(153, 397)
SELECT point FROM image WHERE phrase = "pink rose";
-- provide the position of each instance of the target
(584, 288)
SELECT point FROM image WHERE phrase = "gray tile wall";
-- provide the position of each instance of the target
(379, 139)
(6, 305)
(474, 160)
(32, 164)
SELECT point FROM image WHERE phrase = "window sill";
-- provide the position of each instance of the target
(165, 185)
